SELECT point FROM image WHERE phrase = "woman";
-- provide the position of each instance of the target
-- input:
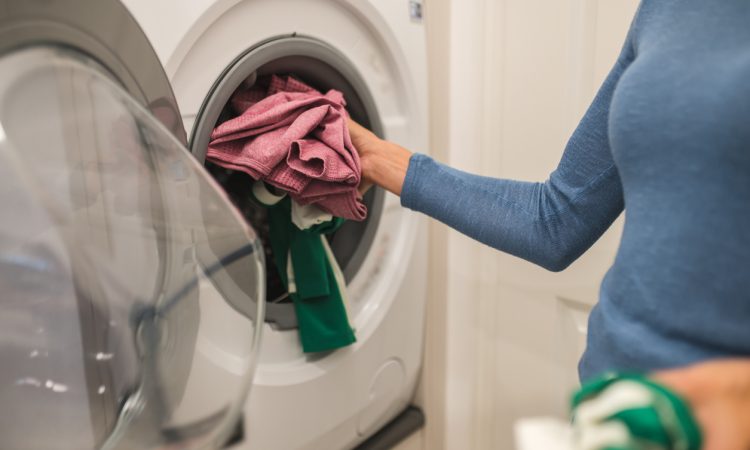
(667, 139)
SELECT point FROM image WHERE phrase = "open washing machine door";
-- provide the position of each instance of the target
(131, 292)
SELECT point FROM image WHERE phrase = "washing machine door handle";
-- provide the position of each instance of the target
(131, 291)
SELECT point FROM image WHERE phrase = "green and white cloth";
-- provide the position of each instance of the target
(307, 267)
(616, 412)
(632, 412)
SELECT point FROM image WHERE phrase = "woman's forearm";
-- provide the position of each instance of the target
(549, 224)
(508, 215)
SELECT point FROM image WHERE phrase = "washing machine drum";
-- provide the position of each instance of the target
(130, 290)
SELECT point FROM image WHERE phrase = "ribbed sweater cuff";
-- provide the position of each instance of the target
(416, 173)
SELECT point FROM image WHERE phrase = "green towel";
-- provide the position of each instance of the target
(631, 412)
(310, 278)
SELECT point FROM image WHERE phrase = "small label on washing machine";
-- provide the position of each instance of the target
(415, 10)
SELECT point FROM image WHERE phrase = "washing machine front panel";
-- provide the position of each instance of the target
(334, 400)
(118, 253)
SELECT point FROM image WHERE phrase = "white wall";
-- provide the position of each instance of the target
(509, 81)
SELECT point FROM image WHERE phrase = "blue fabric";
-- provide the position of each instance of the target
(667, 138)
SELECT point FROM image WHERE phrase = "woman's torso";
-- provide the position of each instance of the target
(679, 127)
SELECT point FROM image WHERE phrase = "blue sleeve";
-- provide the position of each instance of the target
(551, 223)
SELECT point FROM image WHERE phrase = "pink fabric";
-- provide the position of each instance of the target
(296, 139)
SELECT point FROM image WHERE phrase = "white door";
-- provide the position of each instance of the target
(522, 74)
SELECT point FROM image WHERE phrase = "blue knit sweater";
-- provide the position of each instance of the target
(667, 139)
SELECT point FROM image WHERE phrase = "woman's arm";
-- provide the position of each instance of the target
(550, 223)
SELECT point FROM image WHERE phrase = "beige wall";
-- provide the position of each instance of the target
(431, 394)
(509, 80)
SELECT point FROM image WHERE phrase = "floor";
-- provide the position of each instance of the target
(413, 442)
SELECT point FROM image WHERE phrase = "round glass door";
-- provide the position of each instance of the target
(131, 292)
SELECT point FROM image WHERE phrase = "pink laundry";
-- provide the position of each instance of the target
(296, 139)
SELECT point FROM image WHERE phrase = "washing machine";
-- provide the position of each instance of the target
(132, 292)
(374, 52)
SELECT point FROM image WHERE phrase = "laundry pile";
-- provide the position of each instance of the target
(294, 141)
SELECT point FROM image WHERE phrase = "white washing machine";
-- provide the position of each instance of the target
(374, 52)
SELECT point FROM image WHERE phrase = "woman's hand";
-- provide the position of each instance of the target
(383, 163)
(719, 395)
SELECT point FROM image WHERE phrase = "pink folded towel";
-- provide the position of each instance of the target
(296, 139)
